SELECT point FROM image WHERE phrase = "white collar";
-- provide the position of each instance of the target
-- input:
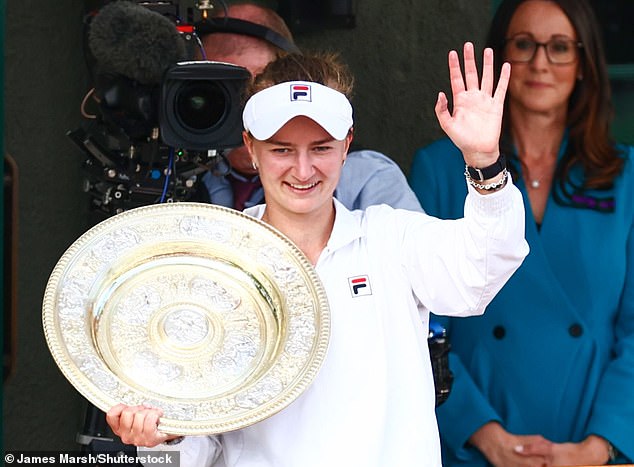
(347, 226)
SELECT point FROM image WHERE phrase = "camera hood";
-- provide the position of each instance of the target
(201, 105)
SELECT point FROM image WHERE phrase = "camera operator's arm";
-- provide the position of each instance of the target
(138, 425)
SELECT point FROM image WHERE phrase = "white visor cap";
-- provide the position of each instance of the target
(270, 109)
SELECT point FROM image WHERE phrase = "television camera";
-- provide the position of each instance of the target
(162, 119)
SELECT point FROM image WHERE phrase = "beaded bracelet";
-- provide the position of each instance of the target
(489, 186)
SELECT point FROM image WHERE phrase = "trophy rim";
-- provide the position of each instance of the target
(95, 279)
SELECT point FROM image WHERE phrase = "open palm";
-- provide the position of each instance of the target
(476, 121)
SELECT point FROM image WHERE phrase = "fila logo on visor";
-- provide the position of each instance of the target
(300, 92)
(359, 286)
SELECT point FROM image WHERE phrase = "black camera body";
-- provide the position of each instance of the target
(439, 347)
(161, 119)
(152, 144)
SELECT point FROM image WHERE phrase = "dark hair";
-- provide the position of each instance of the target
(319, 67)
(590, 110)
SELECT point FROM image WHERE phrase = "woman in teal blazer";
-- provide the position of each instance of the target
(546, 375)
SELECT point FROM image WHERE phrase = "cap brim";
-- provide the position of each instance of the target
(270, 124)
(269, 110)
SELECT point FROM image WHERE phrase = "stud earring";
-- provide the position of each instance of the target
(255, 167)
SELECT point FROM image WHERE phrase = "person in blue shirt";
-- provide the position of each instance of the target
(545, 376)
(368, 177)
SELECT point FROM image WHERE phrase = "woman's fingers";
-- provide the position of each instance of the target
(442, 112)
(136, 425)
(113, 417)
(471, 72)
(470, 68)
(487, 72)
(145, 428)
(455, 74)
(503, 84)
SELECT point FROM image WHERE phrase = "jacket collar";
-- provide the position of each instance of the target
(347, 227)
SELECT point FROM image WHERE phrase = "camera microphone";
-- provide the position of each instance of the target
(131, 48)
(127, 39)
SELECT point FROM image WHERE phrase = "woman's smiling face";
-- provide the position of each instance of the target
(299, 166)
(538, 85)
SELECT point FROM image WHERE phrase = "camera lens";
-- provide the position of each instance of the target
(201, 105)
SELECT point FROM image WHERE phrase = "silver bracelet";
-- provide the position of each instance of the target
(489, 186)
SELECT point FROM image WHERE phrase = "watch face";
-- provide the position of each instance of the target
(202, 311)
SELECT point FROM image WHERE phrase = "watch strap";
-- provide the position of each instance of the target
(486, 173)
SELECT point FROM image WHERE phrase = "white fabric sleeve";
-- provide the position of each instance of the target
(461, 264)
(195, 451)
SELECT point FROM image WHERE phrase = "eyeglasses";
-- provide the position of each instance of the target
(559, 50)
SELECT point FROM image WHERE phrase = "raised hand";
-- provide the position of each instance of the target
(137, 425)
(475, 123)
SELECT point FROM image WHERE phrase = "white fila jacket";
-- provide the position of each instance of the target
(372, 403)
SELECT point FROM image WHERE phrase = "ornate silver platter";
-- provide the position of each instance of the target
(211, 315)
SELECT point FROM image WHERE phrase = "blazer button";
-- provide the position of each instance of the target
(499, 332)
(575, 330)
